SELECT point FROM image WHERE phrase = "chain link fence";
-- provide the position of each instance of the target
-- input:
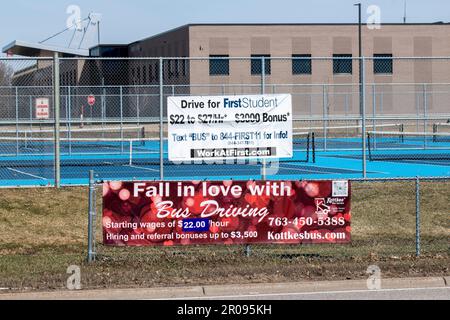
(113, 115)
(390, 219)
(399, 129)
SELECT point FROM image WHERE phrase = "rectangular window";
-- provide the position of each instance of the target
(186, 67)
(301, 64)
(342, 66)
(382, 65)
(138, 75)
(219, 65)
(177, 68)
(150, 72)
(156, 72)
(183, 66)
(170, 67)
(256, 65)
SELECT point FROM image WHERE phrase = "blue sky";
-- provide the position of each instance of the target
(127, 21)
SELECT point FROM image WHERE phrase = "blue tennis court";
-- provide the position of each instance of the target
(32, 162)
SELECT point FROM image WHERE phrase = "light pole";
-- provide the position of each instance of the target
(359, 53)
(362, 95)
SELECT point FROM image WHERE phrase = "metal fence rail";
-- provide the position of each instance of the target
(419, 223)
(328, 101)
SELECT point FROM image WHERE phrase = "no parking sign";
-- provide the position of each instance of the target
(42, 108)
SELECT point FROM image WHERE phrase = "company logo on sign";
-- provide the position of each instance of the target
(322, 209)
(42, 108)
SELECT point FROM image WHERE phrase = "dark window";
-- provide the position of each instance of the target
(382, 65)
(138, 75)
(144, 74)
(150, 72)
(256, 65)
(301, 64)
(156, 70)
(219, 65)
(183, 67)
(177, 67)
(342, 65)
(169, 67)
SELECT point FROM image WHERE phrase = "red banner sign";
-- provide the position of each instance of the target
(225, 212)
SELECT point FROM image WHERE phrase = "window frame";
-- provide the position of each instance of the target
(256, 58)
(303, 57)
(224, 61)
(385, 57)
(337, 58)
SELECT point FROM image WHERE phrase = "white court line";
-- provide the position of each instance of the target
(303, 293)
(28, 174)
(318, 171)
(391, 161)
(336, 168)
(143, 168)
(133, 166)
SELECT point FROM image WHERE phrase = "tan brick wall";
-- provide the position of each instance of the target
(319, 41)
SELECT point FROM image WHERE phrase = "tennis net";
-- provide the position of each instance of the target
(303, 145)
(39, 151)
(393, 146)
(441, 128)
(347, 137)
(125, 132)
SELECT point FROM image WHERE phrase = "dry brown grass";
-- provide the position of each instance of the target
(43, 230)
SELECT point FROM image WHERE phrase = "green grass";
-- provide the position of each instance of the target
(43, 231)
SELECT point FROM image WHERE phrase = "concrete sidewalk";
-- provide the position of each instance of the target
(226, 290)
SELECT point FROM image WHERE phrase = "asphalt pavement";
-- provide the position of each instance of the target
(431, 288)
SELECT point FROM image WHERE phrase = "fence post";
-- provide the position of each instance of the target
(247, 248)
(17, 121)
(137, 107)
(425, 115)
(103, 106)
(417, 216)
(56, 105)
(31, 114)
(417, 96)
(121, 119)
(161, 120)
(91, 217)
(374, 108)
(325, 116)
(263, 89)
(69, 118)
(346, 113)
(363, 115)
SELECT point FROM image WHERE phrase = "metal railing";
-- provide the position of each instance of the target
(133, 91)
(416, 211)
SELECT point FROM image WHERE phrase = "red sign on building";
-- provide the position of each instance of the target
(91, 100)
(42, 110)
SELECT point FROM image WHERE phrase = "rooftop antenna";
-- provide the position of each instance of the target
(82, 37)
(404, 12)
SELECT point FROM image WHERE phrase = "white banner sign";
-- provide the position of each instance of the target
(229, 127)
(42, 108)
